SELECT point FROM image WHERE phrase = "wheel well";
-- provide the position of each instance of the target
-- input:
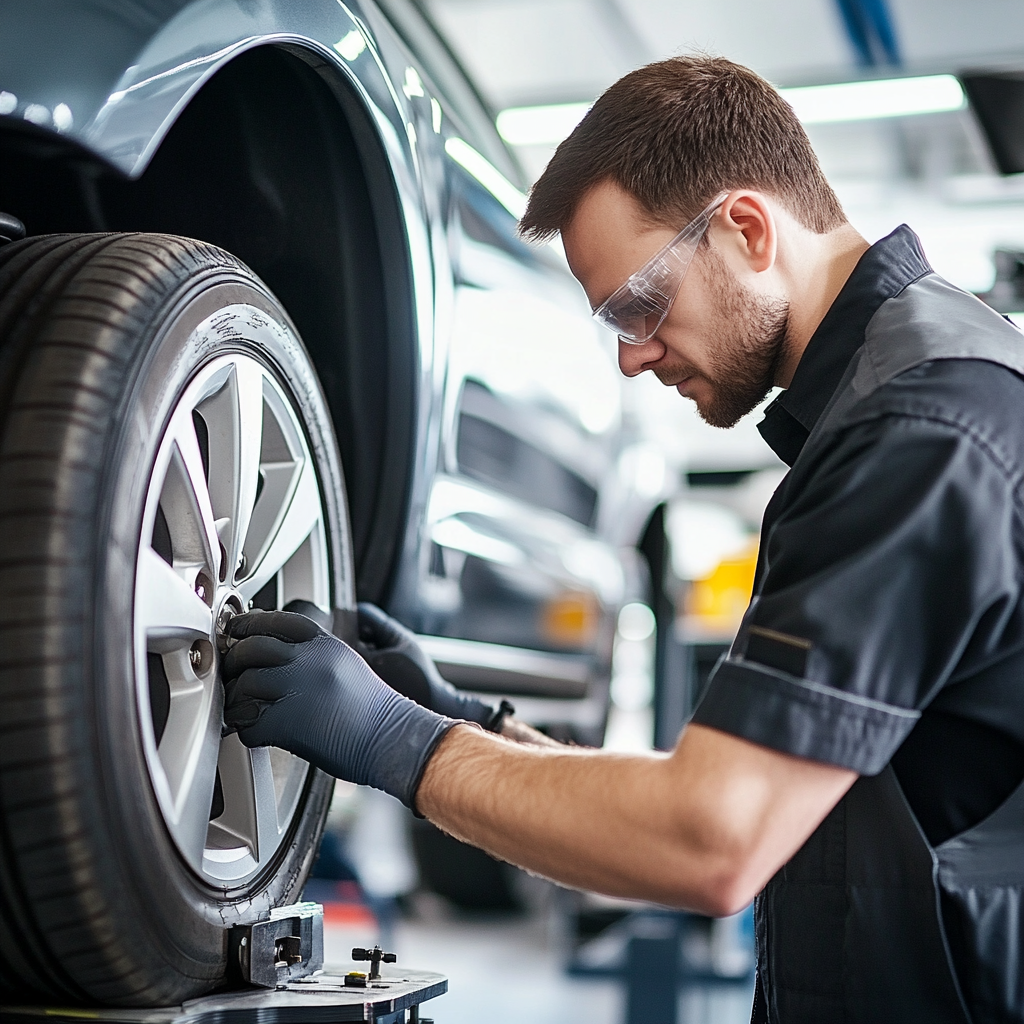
(277, 162)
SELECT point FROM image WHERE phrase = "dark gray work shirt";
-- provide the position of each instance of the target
(887, 620)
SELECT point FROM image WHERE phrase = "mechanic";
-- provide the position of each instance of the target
(858, 757)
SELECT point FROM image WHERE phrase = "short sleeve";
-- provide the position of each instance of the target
(888, 556)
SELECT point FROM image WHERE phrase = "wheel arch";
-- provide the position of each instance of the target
(277, 159)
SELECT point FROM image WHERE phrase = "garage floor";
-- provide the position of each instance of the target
(509, 971)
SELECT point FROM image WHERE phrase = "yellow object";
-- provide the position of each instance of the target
(716, 603)
(571, 618)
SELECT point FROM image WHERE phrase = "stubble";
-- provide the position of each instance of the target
(742, 363)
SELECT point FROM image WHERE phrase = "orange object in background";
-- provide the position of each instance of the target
(571, 619)
(343, 901)
(349, 915)
(715, 604)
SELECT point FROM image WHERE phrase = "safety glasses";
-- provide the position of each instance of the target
(638, 308)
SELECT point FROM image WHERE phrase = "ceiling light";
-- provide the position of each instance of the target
(814, 104)
(540, 126)
(865, 101)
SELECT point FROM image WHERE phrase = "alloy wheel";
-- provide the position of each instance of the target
(233, 520)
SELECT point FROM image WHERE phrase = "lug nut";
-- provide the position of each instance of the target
(200, 657)
(232, 606)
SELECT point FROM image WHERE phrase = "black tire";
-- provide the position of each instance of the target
(99, 335)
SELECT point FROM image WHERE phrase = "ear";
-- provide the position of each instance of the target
(746, 224)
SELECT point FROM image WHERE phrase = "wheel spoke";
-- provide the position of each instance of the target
(234, 418)
(289, 776)
(250, 804)
(188, 752)
(167, 606)
(249, 380)
(186, 446)
(279, 480)
(266, 799)
(294, 525)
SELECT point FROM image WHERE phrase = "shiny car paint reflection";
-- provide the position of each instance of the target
(517, 522)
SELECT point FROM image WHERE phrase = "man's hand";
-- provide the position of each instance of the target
(290, 684)
(519, 732)
(393, 653)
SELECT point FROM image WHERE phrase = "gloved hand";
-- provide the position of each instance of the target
(392, 652)
(290, 684)
(312, 611)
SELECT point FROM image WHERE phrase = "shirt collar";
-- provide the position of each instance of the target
(882, 272)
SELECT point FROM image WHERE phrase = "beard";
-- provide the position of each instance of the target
(743, 360)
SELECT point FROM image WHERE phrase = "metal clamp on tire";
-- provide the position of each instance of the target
(286, 946)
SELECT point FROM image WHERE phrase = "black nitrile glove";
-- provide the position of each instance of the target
(290, 684)
(392, 652)
(312, 611)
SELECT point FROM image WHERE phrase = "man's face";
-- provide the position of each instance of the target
(721, 343)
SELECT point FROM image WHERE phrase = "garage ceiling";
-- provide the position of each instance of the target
(541, 51)
(933, 171)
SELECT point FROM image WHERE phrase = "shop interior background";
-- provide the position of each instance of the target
(879, 86)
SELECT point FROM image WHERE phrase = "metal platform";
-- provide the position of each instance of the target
(322, 997)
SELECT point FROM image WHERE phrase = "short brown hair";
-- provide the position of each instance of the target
(676, 133)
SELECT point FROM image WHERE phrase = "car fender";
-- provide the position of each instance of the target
(114, 77)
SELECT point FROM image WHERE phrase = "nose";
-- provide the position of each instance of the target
(634, 359)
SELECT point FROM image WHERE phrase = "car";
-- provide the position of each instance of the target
(271, 336)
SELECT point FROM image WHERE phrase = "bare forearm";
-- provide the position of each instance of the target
(704, 828)
(588, 819)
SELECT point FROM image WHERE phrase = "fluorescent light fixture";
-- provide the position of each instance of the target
(865, 101)
(540, 126)
(814, 104)
(488, 175)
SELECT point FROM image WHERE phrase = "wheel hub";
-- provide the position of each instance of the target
(229, 605)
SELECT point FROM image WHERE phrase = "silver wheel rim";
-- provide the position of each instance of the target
(233, 517)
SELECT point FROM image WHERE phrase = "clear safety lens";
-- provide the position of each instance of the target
(638, 308)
